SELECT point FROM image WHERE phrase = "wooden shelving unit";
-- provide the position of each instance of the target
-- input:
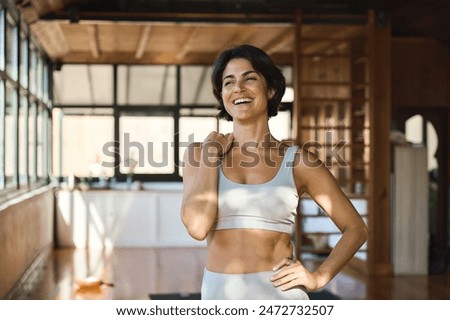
(334, 99)
(342, 91)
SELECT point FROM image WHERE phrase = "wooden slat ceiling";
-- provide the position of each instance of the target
(195, 31)
(171, 43)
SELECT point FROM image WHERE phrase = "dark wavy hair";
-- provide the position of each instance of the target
(262, 64)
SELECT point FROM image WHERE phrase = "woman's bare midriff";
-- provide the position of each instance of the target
(246, 250)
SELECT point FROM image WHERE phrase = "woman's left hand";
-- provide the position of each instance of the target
(292, 273)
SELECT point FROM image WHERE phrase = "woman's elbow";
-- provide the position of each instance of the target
(197, 234)
(363, 233)
(359, 233)
(195, 229)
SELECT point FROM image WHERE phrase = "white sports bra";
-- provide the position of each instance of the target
(270, 206)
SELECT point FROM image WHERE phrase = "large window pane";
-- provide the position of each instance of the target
(2, 44)
(146, 85)
(287, 72)
(11, 48)
(45, 84)
(10, 136)
(225, 126)
(24, 61)
(57, 117)
(32, 141)
(196, 86)
(146, 144)
(84, 140)
(41, 143)
(39, 76)
(33, 70)
(2, 137)
(23, 139)
(280, 125)
(194, 129)
(83, 85)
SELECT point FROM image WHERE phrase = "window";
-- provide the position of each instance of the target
(11, 48)
(32, 142)
(23, 140)
(146, 85)
(24, 61)
(195, 86)
(2, 43)
(146, 144)
(23, 112)
(41, 163)
(10, 136)
(152, 121)
(194, 129)
(420, 131)
(45, 88)
(33, 70)
(2, 135)
(83, 85)
(39, 76)
(85, 139)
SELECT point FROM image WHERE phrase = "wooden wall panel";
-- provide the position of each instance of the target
(26, 229)
(420, 73)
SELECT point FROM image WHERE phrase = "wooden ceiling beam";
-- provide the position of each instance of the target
(29, 14)
(52, 38)
(242, 35)
(189, 43)
(156, 58)
(41, 6)
(143, 40)
(282, 40)
(339, 36)
(144, 16)
(121, 57)
(32, 10)
(94, 45)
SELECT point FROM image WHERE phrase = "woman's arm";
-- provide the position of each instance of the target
(200, 177)
(316, 180)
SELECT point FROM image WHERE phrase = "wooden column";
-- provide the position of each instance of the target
(296, 70)
(379, 219)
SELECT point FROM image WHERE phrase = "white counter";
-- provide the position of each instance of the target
(121, 218)
(151, 218)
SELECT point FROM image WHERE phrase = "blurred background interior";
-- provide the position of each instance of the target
(99, 99)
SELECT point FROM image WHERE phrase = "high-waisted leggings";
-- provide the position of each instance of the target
(247, 286)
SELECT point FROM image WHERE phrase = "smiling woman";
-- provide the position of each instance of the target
(246, 209)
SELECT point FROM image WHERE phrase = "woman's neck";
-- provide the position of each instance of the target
(253, 134)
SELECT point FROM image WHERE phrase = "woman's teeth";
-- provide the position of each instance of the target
(242, 100)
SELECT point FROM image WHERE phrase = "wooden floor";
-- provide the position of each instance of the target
(136, 273)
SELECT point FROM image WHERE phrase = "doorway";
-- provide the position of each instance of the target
(429, 127)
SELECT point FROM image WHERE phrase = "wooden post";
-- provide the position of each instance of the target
(296, 70)
(379, 219)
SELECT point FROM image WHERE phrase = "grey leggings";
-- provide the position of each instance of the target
(248, 286)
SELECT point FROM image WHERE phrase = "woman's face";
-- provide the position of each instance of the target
(244, 91)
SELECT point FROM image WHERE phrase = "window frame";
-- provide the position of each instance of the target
(150, 111)
(23, 177)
